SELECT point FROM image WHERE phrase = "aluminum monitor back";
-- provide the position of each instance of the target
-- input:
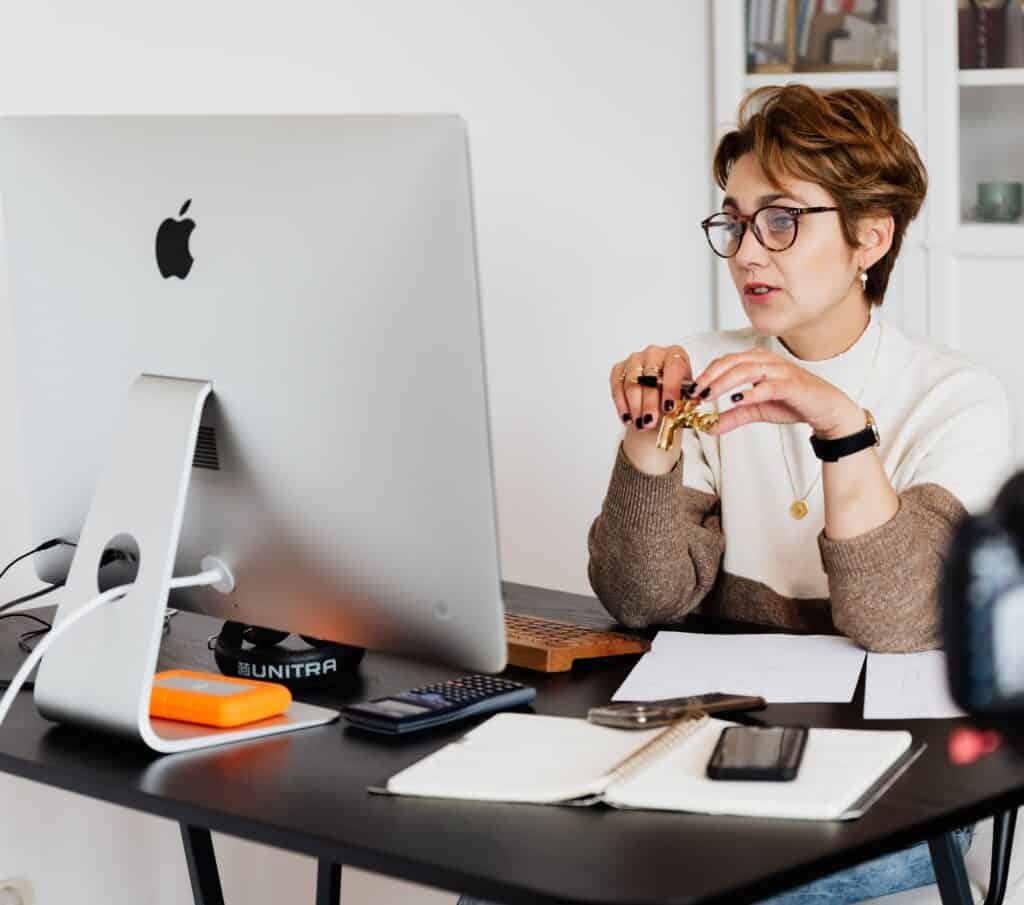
(344, 467)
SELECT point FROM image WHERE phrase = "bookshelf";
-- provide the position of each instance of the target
(976, 126)
(965, 123)
(983, 77)
(882, 82)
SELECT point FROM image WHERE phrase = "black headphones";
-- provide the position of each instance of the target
(323, 663)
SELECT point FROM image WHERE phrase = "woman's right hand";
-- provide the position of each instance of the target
(642, 407)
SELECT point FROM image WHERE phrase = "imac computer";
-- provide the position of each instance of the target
(256, 339)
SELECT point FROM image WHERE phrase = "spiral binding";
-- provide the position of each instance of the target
(682, 728)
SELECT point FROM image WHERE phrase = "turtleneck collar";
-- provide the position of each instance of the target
(848, 370)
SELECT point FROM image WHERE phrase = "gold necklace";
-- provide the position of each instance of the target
(798, 508)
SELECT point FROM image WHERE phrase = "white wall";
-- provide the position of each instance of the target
(589, 134)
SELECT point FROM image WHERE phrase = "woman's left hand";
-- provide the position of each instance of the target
(783, 393)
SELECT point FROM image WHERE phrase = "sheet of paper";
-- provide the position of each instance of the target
(908, 687)
(779, 668)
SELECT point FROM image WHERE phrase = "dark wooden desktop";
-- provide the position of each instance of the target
(306, 792)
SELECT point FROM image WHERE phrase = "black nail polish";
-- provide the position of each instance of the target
(669, 405)
(688, 389)
(648, 418)
(639, 423)
(736, 397)
(626, 418)
(704, 392)
(648, 380)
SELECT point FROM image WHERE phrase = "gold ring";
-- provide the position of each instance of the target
(622, 377)
(654, 369)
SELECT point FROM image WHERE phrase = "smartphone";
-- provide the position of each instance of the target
(648, 714)
(770, 753)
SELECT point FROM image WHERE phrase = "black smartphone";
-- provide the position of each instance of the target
(770, 753)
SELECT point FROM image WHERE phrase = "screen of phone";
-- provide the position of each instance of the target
(758, 752)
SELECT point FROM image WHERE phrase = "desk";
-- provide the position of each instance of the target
(306, 792)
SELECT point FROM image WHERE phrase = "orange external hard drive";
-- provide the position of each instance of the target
(212, 700)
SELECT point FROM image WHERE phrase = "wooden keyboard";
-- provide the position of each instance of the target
(546, 645)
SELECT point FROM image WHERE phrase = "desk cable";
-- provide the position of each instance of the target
(109, 556)
(25, 637)
(201, 579)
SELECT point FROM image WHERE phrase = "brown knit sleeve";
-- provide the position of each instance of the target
(884, 583)
(656, 546)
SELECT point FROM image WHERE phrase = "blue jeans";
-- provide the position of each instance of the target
(907, 868)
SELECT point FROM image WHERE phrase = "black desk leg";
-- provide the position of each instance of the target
(950, 870)
(951, 874)
(328, 883)
(202, 865)
(1003, 825)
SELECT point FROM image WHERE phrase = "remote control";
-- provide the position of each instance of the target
(440, 703)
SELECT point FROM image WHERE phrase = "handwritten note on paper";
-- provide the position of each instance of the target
(908, 687)
(779, 668)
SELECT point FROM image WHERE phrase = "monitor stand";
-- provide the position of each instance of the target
(100, 674)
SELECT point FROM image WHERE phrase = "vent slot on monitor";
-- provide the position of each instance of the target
(206, 449)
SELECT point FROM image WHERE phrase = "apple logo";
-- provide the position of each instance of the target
(172, 254)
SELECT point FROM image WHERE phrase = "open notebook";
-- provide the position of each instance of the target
(522, 757)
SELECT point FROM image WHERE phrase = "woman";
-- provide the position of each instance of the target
(752, 521)
(745, 521)
(758, 528)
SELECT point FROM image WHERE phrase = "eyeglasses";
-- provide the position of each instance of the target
(774, 227)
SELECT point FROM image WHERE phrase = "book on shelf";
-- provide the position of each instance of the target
(819, 35)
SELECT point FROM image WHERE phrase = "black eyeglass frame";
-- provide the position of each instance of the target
(744, 219)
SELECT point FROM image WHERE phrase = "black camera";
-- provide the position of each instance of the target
(982, 598)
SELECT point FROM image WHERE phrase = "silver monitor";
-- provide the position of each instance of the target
(319, 273)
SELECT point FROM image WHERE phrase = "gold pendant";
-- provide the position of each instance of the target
(798, 509)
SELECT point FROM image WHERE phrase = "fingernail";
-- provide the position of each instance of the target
(639, 423)
(648, 380)
(688, 389)
(669, 405)
(736, 397)
(626, 418)
(648, 418)
(704, 392)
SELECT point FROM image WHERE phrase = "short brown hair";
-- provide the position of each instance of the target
(846, 141)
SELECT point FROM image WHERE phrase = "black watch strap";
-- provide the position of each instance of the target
(834, 450)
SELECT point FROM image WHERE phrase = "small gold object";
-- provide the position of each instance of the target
(798, 509)
(686, 416)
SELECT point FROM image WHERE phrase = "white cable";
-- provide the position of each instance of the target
(209, 577)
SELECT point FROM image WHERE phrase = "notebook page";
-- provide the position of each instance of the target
(838, 766)
(779, 668)
(523, 757)
(908, 687)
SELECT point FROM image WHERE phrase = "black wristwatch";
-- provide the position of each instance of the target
(834, 450)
